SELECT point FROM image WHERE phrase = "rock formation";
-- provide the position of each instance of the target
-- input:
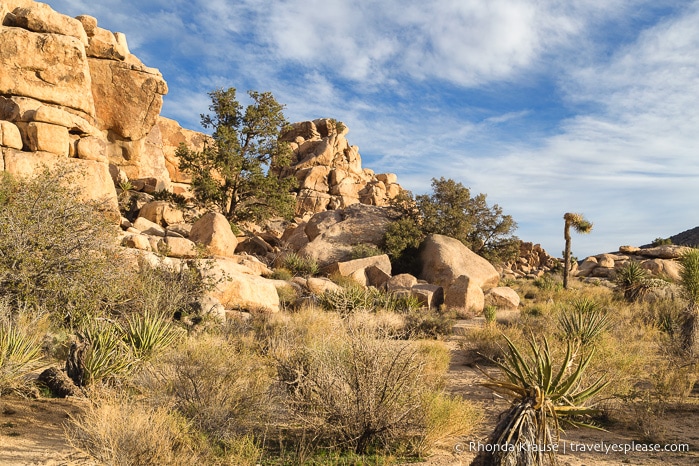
(329, 169)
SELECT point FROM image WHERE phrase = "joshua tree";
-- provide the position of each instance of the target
(690, 283)
(581, 225)
(542, 396)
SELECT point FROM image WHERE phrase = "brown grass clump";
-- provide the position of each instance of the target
(122, 432)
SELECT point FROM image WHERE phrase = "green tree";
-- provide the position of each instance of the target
(451, 211)
(579, 224)
(239, 172)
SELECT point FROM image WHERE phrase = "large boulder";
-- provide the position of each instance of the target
(128, 99)
(333, 234)
(162, 212)
(445, 259)
(237, 287)
(502, 297)
(51, 68)
(464, 296)
(213, 231)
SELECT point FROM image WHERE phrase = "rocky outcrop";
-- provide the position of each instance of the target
(73, 91)
(659, 261)
(330, 236)
(532, 262)
(329, 169)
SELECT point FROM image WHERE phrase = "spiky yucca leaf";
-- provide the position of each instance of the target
(584, 322)
(19, 354)
(149, 333)
(542, 396)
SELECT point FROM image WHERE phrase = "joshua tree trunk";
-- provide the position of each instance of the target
(581, 225)
(566, 255)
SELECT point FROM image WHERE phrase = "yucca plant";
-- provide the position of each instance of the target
(149, 333)
(543, 396)
(106, 356)
(19, 354)
(632, 281)
(689, 279)
(583, 322)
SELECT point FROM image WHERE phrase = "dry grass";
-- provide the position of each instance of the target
(122, 432)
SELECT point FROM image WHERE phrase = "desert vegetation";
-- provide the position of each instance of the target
(351, 375)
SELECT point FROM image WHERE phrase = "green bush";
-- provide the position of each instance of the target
(360, 251)
(299, 265)
(57, 250)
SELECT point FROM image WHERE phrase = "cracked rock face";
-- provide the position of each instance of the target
(72, 90)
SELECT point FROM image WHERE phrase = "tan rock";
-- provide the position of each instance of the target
(629, 249)
(127, 100)
(387, 178)
(45, 138)
(137, 242)
(103, 44)
(347, 268)
(181, 248)
(57, 116)
(147, 227)
(162, 213)
(376, 277)
(213, 231)
(89, 24)
(238, 288)
(502, 297)
(445, 259)
(92, 148)
(40, 17)
(10, 135)
(430, 296)
(333, 234)
(403, 281)
(664, 252)
(587, 266)
(93, 178)
(48, 67)
(172, 135)
(606, 261)
(464, 296)
(663, 268)
(314, 178)
(319, 285)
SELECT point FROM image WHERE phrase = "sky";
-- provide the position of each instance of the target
(546, 106)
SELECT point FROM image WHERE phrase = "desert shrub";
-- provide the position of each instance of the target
(281, 273)
(122, 432)
(169, 290)
(220, 385)
(428, 323)
(350, 299)
(355, 390)
(56, 248)
(362, 250)
(107, 357)
(661, 242)
(543, 395)
(445, 416)
(149, 334)
(489, 312)
(20, 346)
(548, 282)
(300, 265)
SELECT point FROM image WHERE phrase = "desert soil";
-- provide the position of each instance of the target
(32, 430)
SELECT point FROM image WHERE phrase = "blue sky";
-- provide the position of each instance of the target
(547, 106)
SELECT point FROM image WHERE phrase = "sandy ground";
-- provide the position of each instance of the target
(32, 432)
